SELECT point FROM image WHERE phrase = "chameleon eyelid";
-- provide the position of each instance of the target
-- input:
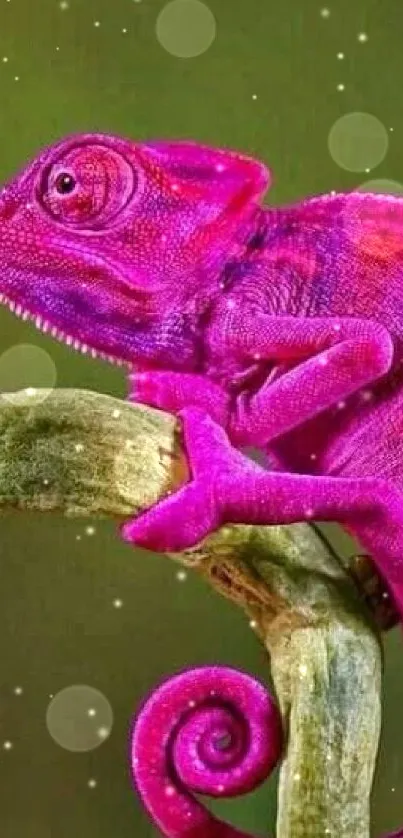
(135, 187)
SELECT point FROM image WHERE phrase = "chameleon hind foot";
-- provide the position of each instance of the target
(374, 591)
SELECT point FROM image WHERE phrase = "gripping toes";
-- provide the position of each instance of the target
(188, 515)
(177, 522)
(173, 391)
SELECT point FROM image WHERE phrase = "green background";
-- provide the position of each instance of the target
(58, 625)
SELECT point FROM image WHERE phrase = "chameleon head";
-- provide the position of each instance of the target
(115, 246)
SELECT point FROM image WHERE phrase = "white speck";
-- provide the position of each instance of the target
(5, 59)
(97, 23)
(231, 303)
(191, 704)
(169, 791)
(254, 96)
(79, 447)
(175, 187)
(16, 78)
(30, 391)
(92, 711)
(220, 788)
(309, 512)
(297, 776)
(393, 788)
(341, 405)
(57, 49)
(78, 537)
(117, 603)
(325, 12)
(336, 327)
(103, 732)
(18, 691)
(322, 360)
(341, 87)
(220, 167)
(313, 456)
(7, 745)
(124, 30)
(63, 5)
(391, 129)
(303, 669)
(366, 395)
(90, 530)
(252, 624)
(362, 37)
(181, 575)
(340, 56)
(257, 356)
(116, 414)
(367, 171)
(92, 784)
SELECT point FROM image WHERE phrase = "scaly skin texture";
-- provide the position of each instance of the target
(278, 328)
(211, 730)
(274, 327)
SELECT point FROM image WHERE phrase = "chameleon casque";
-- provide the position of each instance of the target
(274, 327)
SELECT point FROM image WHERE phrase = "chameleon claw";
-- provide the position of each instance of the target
(177, 522)
(374, 592)
(174, 391)
(188, 515)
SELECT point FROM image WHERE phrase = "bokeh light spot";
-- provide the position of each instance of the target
(358, 141)
(25, 366)
(382, 185)
(186, 28)
(79, 718)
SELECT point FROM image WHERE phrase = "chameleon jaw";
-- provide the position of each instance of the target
(46, 327)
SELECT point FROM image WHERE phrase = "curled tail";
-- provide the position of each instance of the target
(211, 730)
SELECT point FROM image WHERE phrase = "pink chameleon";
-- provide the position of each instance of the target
(279, 328)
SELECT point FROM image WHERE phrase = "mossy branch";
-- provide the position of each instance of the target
(83, 453)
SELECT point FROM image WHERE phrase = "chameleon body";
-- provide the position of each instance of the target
(279, 328)
(274, 327)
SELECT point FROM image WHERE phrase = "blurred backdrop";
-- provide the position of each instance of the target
(86, 622)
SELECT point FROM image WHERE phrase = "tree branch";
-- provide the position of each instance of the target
(83, 453)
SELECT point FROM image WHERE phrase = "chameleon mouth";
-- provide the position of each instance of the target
(46, 327)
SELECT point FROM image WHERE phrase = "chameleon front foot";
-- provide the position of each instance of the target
(174, 391)
(188, 515)
(226, 487)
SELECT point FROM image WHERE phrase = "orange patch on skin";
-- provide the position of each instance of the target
(381, 244)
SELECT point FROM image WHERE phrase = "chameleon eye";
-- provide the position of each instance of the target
(65, 183)
(87, 187)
